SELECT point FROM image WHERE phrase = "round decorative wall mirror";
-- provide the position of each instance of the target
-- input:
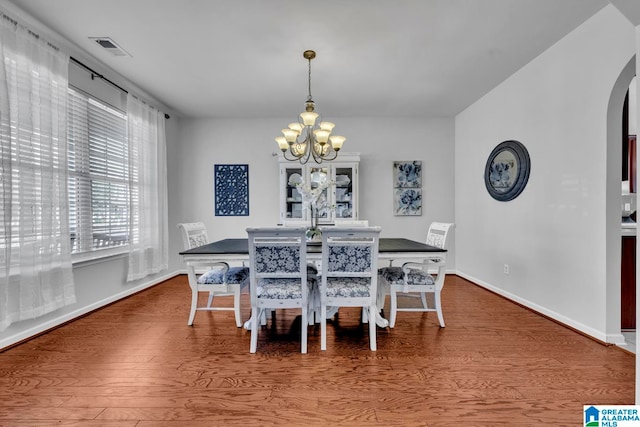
(507, 170)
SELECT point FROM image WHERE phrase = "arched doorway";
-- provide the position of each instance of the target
(613, 201)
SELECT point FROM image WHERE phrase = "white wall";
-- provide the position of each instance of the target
(553, 236)
(380, 141)
(633, 108)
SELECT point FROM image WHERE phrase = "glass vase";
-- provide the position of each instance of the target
(313, 233)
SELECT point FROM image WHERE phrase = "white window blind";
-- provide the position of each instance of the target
(99, 212)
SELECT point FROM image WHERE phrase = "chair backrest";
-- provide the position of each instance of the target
(438, 233)
(350, 252)
(347, 222)
(277, 252)
(194, 234)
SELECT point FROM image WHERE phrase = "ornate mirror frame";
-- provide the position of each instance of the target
(507, 170)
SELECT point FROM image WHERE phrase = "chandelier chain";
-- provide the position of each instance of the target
(309, 98)
(306, 139)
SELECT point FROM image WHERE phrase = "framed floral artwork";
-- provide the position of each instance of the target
(407, 201)
(407, 174)
(231, 184)
(407, 187)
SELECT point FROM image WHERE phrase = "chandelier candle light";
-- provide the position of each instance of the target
(305, 139)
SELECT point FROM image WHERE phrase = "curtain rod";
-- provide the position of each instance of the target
(94, 73)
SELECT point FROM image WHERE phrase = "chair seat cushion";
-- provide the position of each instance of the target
(415, 277)
(281, 288)
(216, 277)
(348, 287)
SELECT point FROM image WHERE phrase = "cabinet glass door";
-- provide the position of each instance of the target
(293, 198)
(344, 204)
(339, 200)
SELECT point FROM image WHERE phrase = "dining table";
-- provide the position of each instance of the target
(390, 249)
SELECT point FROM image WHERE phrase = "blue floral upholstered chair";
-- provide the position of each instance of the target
(278, 276)
(419, 279)
(216, 278)
(349, 275)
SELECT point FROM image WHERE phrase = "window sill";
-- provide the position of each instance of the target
(98, 256)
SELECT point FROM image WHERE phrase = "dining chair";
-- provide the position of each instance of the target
(216, 278)
(278, 276)
(419, 279)
(347, 222)
(349, 274)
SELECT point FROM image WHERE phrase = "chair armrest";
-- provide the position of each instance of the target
(428, 264)
(412, 265)
(219, 264)
(204, 266)
(424, 265)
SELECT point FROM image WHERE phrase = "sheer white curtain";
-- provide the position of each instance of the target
(149, 230)
(35, 262)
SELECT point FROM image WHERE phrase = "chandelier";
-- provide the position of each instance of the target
(304, 140)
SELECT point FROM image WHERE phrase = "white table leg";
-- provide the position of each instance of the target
(383, 290)
(331, 311)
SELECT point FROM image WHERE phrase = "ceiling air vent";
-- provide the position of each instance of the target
(110, 46)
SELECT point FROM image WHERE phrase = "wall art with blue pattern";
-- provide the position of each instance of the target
(231, 190)
(407, 187)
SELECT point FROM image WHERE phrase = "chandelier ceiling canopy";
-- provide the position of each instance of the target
(305, 139)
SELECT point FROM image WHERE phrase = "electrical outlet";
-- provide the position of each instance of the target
(506, 269)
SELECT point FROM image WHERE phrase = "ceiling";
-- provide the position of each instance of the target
(243, 58)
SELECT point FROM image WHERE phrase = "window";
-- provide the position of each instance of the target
(98, 154)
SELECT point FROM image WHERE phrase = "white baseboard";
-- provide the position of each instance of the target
(599, 335)
(45, 326)
(617, 339)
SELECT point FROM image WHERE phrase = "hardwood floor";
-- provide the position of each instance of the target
(137, 363)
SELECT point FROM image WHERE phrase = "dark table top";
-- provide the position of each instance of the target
(241, 246)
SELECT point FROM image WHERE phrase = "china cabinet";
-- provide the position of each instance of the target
(338, 200)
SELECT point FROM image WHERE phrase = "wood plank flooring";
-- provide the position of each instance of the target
(137, 363)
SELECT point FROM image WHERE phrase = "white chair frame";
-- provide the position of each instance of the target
(285, 237)
(436, 236)
(360, 237)
(193, 235)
